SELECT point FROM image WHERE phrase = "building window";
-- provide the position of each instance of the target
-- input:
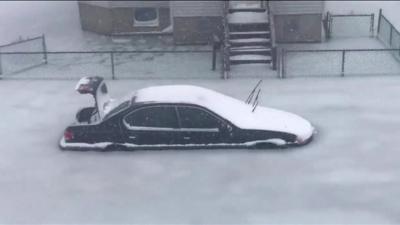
(146, 17)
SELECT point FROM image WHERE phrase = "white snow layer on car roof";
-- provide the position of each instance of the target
(234, 110)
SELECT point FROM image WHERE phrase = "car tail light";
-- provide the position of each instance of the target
(68, 135)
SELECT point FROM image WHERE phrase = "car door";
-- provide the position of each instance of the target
(198, 126)
(152, 125)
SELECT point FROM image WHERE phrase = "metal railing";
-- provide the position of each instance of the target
(274, 48)
(388, 34)
(36, 43)
(338, 62)
(119, 64)
(225, 44)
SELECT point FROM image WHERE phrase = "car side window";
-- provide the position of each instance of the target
(192, 117)
(153, 117)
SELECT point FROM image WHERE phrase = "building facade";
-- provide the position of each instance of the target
(195, 22)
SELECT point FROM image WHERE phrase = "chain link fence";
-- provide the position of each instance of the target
(14, 63)
(138, 64)
(388, 34)
(338, 62)
(346, 62)
(349, 25)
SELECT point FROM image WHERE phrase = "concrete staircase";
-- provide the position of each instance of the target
(249, 35)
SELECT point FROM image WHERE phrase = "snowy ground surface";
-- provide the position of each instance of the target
(349, 174)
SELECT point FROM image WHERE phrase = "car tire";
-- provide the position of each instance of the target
(116, 147)
(268, 146)
(265, 145)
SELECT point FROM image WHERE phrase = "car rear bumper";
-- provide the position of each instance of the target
(63, 145)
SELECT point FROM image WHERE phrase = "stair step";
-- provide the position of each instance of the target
(248, 59)
(247, 17)
(233, 10)
(249, 47)
(250, 51)
(249, 34)
(244, 4)
(248, 27)
(250, 42)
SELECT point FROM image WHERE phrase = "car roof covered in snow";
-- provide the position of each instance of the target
(234, 110)
(179, 94)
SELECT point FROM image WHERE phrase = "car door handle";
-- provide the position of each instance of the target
(186, 138)
(132, 137)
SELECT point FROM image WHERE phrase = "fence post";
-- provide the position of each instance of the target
(44, 48)
(326, 25)
(391, 35)
(330, 20)
(214, 58)
(343, 61)
(371, 29)
(1, 68)
(112, 65)
(216, 45)
(274, 55)
(379, 22)
(282, 73)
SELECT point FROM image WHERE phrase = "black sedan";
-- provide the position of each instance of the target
(178, 116)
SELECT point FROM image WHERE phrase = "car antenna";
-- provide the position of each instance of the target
(255, 103)
(248, 100)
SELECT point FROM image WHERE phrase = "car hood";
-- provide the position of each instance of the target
(264, 118)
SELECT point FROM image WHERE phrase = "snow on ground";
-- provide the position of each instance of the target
(348, 174)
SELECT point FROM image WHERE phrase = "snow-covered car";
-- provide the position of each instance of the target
(176, 116)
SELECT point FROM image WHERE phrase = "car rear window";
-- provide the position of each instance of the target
(124, 105)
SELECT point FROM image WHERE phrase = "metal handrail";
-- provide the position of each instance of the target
(274, 51)
(226, 45)
(21, 41)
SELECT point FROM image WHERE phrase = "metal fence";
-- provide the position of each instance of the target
(349, 25)
(19, 63)
(388, 34)
(138, 64)
(338, 62)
